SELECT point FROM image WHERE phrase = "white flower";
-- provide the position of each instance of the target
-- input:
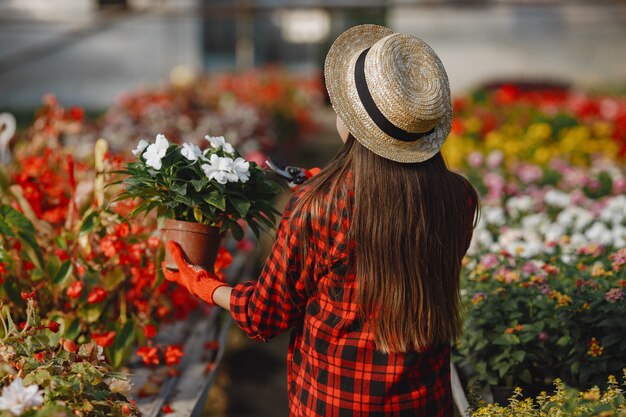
(220, 169)
(119, 386)
(141, 146)
(553, 232)
(219, 141)
(494, 215)
(578, 240)
(557, 198)
(599, 233)
(16, 398)
(100, 356)
(532, 221)
(241, 167)
(191, 152)
(156, 152)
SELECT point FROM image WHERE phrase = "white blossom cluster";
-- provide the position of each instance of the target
(529, 226)
(221, 169)
(16, 398)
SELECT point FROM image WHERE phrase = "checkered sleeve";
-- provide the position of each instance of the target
(271, 305)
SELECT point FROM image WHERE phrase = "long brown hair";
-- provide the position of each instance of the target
(411, 225)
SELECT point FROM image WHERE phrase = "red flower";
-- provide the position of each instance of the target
(29, 266)
(54, 327)
(173, 354)
(70, 346)
(122, 229)
(3, 269)
(224, 259)
(28, 295)
(76, 113)
(80, 270)
(149, 330)
(212, 345)
(97, 295)
(61, 254)
(40, 357)
(162, 311)
(149, 355)
(75, 290)
(167, 409)
(110, 246)
(153, 242)
(103, 339)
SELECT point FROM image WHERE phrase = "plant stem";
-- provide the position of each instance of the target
(4, 325)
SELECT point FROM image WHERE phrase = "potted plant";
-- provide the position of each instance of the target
(198, 194)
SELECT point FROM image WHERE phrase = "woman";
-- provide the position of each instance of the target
(365, 267)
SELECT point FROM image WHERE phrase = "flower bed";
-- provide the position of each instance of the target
(91, 268)
(44, 374)
(563, 402)
(544, 280)
(537, 126)
(257, 111)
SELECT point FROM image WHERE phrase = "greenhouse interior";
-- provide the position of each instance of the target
(164, 246)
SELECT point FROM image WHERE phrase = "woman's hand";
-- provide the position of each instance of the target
(198, 281)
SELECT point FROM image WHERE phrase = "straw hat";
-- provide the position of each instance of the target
(391, 91)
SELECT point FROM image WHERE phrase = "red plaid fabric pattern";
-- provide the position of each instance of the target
(333, 367)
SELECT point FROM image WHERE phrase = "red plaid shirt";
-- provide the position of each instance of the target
(333, 367)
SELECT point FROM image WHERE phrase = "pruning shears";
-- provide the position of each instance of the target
(294, 175)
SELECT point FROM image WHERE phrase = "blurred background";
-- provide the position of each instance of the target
(88, 52)
(113, 57)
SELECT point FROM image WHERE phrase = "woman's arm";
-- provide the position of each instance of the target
(221, 297)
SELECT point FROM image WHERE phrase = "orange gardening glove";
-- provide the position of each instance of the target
(198, 281)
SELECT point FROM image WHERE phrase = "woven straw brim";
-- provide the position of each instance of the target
(340, 83)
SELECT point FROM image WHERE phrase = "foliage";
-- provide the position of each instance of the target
(88, 268)
(564, 402)
(543, 278)
(531, 321)
(215, 186)
(74, 378)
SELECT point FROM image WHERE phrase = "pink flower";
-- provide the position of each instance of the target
(529, 173)
(489, 260)
(495, 184)
(494, 159)
(529, 268)
(475, 159)
(619, 185)
(614, 295)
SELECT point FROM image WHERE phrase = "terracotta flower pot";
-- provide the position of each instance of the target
(200, 242)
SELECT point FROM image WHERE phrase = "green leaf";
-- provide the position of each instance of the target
(563, 341)
(197, 214)
(92, 312)
(12, 221)
(123, 343)
(32, 249)
(88, 223)
(236, 230)
(73, 330)
(179, 188)
(518, 355)
(241, 205)
(64, 272)
(198, 185)
(216, 199)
